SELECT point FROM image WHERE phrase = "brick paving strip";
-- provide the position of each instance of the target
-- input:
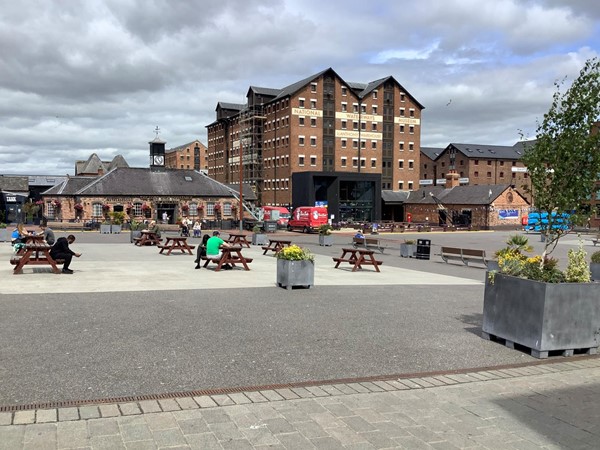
(29, 414)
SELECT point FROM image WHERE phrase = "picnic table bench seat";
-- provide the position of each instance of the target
(466, 255)
(368, 243)
(14, 260)
(596, 240)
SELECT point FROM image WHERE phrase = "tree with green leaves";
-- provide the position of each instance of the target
(564, 160)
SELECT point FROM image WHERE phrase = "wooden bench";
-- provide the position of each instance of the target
(368, 243)
(14, 260)
(596, 240)
(465, 255)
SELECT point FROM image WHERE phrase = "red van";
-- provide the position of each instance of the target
(284, 215)
(308, 218)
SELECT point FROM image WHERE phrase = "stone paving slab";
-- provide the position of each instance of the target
(528, 409)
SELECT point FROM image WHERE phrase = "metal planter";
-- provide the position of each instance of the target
(543, 316)
(259, 239)
(325, 240)
(595, 271)
(295, 273)
(408, 250)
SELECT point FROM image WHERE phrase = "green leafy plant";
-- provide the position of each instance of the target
(410, 241)
(257, 229)
(137, 225)
(595, 258)
(117, 217)
(512, 260)
(295, 253)
(2, 225)
(563, 162)
(325, 229)
(578, 270)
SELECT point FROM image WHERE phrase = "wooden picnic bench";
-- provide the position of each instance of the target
(368, 243)
(276, 245)
(34, 254)
(176, 243)
(229, 255)
(466, 255)
(357, 257)
(596, 240)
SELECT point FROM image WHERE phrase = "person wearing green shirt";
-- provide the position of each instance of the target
(214, 244)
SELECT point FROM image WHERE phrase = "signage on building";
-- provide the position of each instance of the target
(407, 121)
(307, 112)
(440, 181)
(354, 134)
(321, 203)
(11, 199)
(356, 116)
(518, 169)
(425, 182)
(463, 180)
(508, 214)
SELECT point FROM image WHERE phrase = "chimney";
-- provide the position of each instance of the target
(452, 179)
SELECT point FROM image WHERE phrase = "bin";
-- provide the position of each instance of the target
(270, 226)
(423, 249)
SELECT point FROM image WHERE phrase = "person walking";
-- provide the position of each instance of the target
(61, 250)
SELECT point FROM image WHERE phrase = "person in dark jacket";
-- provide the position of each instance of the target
(61, 250)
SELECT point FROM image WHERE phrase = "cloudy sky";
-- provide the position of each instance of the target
(78, 77)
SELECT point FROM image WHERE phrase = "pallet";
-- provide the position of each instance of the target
(537, 353)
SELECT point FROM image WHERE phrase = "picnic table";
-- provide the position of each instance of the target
(176, 243)
(229, 255)
(34, 254)
(147, 238)
(358, 257)
(34, 239)
(240, 239)
(276, 245)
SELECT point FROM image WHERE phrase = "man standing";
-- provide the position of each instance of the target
(61, 250)
(48, 234)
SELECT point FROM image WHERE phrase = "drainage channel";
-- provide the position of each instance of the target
(570, 362)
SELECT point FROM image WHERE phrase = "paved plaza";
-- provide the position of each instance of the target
(140, 350)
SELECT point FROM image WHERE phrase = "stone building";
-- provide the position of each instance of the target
(142, 193)
(475, 164)
(483, 206)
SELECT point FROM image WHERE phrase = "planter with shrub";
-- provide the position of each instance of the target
(295, 267)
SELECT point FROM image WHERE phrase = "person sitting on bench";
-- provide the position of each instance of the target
(213, 248)
(61, 250)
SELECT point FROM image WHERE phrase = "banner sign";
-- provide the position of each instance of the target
(508, 214)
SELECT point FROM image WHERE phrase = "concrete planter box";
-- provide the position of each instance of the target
(4, 234)
(595, 270)
(115, 229)
(105, 229)
(259, 239)
(543, 316)
(325, 240)
(295, 273)
(408, 250)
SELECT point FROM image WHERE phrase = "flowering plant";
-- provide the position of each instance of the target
(145, 207)
(513, 261)
(106, 207)
(217, 207)
(56, 204)
(78, 207)
(200, 207)
(39, 202)
(295, 253)
(185, 207)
